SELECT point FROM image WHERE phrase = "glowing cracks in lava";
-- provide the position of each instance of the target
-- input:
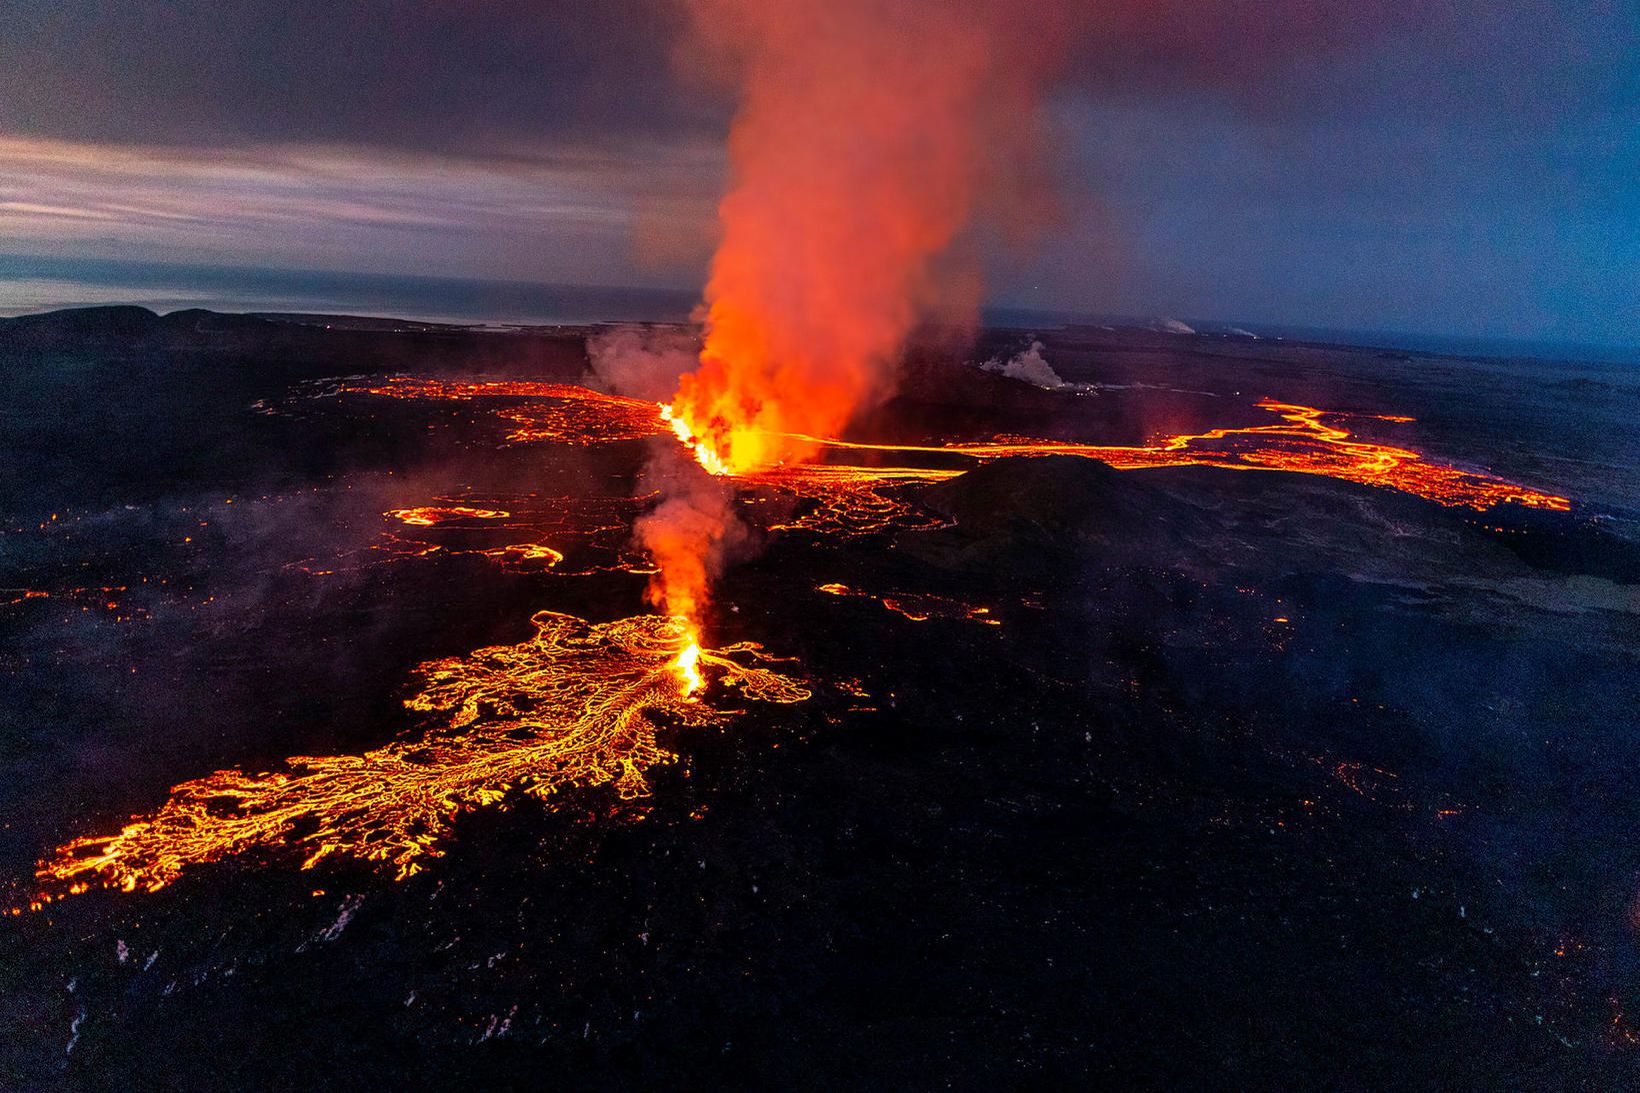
(521, 554)
(430, 516)
(1306, 440)
(1300, 443)
(560, 413)
(919, 606)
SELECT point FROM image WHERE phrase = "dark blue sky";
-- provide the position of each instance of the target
(1486, 184)
(1472, 168)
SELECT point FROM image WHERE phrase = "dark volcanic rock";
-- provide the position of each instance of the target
(122, 326)
(1240, 780)
(1030, 516)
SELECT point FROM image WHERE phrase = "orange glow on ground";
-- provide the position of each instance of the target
(1305, 440)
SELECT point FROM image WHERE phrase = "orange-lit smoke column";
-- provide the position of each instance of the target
(868, 137)
(865, 144)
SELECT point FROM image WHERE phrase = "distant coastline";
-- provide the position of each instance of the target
(31, 284)
(35, 283)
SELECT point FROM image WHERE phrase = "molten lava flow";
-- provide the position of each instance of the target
(557, 412)
(578, 704)
(524, 556)
(842, 500)
(531, 533)
(428, 516)
(846, 498)
(703, 452)
(919, 606)
(1302, 443)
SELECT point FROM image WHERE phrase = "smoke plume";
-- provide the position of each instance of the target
(690, 535)
(641, 361)
(1030, 366)
(869, 135)
(877, 145)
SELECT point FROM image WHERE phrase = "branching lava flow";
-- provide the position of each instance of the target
(578, 704)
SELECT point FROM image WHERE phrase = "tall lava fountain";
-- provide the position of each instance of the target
(871, 135)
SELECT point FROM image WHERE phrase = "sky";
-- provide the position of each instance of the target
(1468, 168)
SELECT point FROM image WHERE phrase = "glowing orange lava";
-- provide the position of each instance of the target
(559, 412)
(524, 555)
(1306, 440)
(431, 515)
(1301, 443)
(578, 704)
(919, 606)
(843, 500)
(687, 666)
(703, 452)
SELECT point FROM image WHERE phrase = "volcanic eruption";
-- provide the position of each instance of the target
(869, 137)
(424, 681)
(875, 142)
(580, 704)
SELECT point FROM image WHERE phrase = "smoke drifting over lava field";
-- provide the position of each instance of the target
(1231, 701)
